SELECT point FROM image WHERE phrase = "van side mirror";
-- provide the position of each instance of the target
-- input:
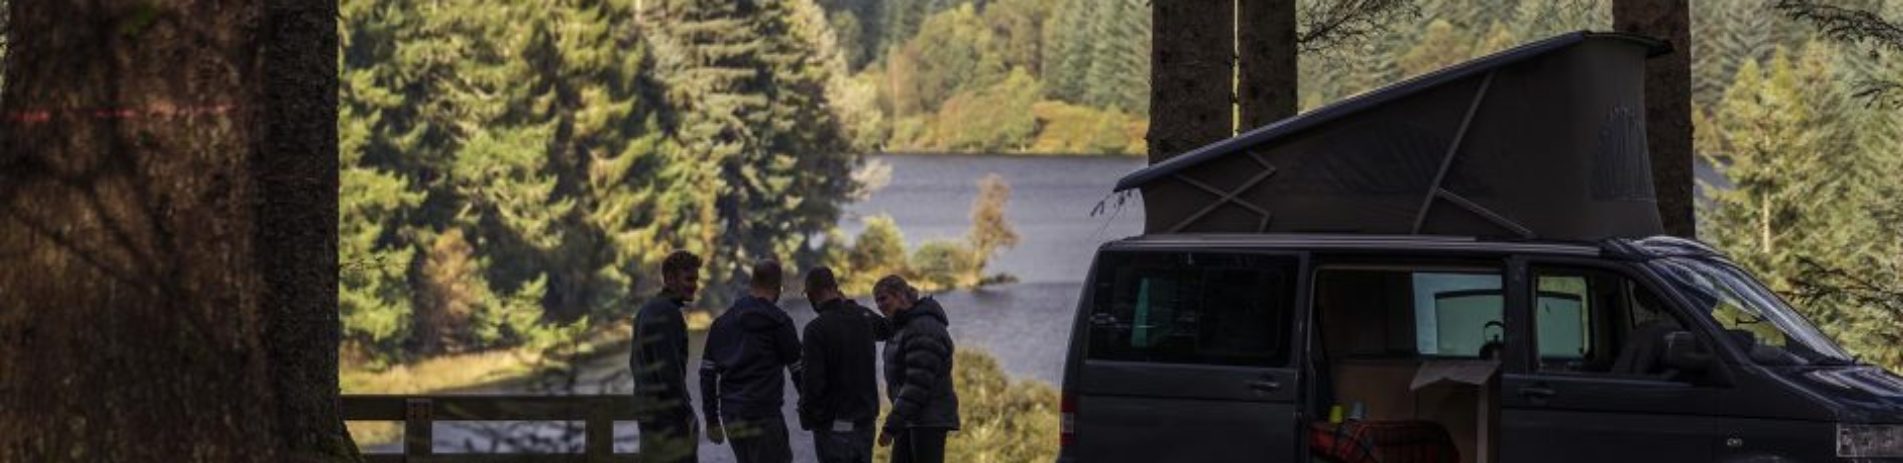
(1686, 352)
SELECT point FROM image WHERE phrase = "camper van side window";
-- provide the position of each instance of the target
(1193, 308)
(1599, 322)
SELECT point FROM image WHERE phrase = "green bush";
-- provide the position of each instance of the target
(1003, 420)
(1068, 128)
(938, 265)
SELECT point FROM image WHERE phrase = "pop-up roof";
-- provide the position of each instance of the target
(1543, 141)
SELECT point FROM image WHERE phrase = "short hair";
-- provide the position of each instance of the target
(821, 279)
(767, 275)
(679, 262)
(894, 284)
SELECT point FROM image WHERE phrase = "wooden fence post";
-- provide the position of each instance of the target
(419, 437)
(600, 431)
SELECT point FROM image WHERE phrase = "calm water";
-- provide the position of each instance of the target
(1025, 324)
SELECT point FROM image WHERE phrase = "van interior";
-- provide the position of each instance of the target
(1411, 347)
(1417, 346)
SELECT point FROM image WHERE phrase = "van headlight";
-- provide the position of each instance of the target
(1869, 440)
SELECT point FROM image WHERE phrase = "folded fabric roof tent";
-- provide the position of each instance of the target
(1543, 141)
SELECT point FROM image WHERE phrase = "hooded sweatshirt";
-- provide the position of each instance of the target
(740, 369)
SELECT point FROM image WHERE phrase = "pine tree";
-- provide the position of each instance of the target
(1118, 74)
(373, 291)
(1440, 46)
(1067, 50)
(1766, 141)
(1726, 37)
(1798, 197)
(1018, 26)
(753, 111)
(811, 154)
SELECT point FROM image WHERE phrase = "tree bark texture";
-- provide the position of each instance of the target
(1191, 77)
(167, 232)
(1266, 61)
(295, 167)
(1668, 120)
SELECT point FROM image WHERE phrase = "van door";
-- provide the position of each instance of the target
(1188, 356)
(1589, 384)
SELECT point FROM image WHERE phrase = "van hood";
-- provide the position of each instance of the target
(1862, 394)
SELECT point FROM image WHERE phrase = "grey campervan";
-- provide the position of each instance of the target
(1234, 347)
(1461, 267)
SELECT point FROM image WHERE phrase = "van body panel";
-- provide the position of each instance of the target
(1771, 440)
(1195, 382)
(1179, 416)
(1572, 419)
(1737, 409)
(1223, 409)
(1564, 436)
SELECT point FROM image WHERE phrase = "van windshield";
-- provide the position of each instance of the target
(1758, 321)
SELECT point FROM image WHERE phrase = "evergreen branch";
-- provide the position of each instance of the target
(1849, 25)
(1856, 27)
(1817, 280)
(1880, 93)
(1331, 24)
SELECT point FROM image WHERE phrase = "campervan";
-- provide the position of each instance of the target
(1465, 267)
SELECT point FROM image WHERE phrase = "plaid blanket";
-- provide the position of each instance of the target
(1383, 442)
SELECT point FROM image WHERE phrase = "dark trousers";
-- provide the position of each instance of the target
(919, 446)
(844, 443)
(670, 440)
(759, 440)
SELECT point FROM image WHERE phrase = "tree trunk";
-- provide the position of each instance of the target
(1668, 119)
(295, 167)
(1266, 61)
(167, 202)
(1191, 77)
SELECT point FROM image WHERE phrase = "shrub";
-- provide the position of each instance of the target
(1003, 420)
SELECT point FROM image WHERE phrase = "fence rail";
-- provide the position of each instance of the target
(419, 412)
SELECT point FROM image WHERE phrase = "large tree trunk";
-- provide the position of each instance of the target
(1266, 61)
(167, 202)
(295, 167)
(1193, 44)
(1668, 119)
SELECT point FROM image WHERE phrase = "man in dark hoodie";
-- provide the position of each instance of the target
(839, 391)
(740, 380)
(918, 365)
(659, 364)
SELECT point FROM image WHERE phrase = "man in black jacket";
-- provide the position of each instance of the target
(839, 395)
(740, 379)
(918, 365)
(659, 364)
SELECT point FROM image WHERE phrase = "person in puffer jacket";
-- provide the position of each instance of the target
(918, 366)
(741, 378)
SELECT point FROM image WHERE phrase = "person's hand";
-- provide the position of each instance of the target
(716, 433)
(885, 438)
